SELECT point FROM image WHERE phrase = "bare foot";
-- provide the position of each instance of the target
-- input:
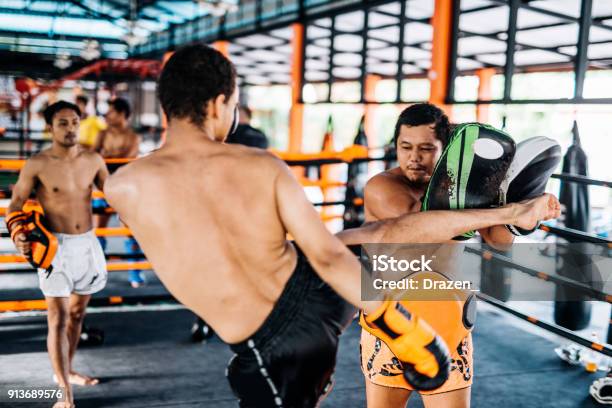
(64, 404)
(79, 379)
(542, 208)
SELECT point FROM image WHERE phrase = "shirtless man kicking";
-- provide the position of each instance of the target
(63, 177)
(213, 219)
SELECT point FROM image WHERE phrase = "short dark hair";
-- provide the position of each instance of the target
(424, 114)
(52, 109)
(121, 105)
(194, 75)
(82, 98)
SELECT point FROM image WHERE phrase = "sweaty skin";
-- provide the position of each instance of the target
(213, 218)
(63, 177)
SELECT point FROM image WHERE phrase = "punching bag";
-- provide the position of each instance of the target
(572, 261)
(575, 196)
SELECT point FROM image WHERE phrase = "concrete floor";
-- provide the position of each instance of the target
(148, 361)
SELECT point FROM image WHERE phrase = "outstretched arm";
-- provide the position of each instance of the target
(441, 226)
(331, 260)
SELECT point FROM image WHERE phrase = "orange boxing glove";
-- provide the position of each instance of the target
(451, 313)
(14, 222)
(43, 244)
(423, 353)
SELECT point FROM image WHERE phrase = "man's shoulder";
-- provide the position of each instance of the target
(250, 152)
(138, 167)
(125, 181)
(142, 174)
(39, 159)
(386, 179)
(38, 163)
(389, 184)
(256, 160)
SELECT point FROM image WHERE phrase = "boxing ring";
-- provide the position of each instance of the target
(147, 305)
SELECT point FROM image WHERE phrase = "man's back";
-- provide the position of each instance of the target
(215, 207)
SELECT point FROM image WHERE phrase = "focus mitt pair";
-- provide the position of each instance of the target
(482, 167)
(534, 162)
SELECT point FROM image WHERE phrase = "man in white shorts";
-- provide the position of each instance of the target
(62, 177)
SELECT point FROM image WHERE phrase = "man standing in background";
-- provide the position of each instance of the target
(246, 134)
(62, 177)
(118, 141)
